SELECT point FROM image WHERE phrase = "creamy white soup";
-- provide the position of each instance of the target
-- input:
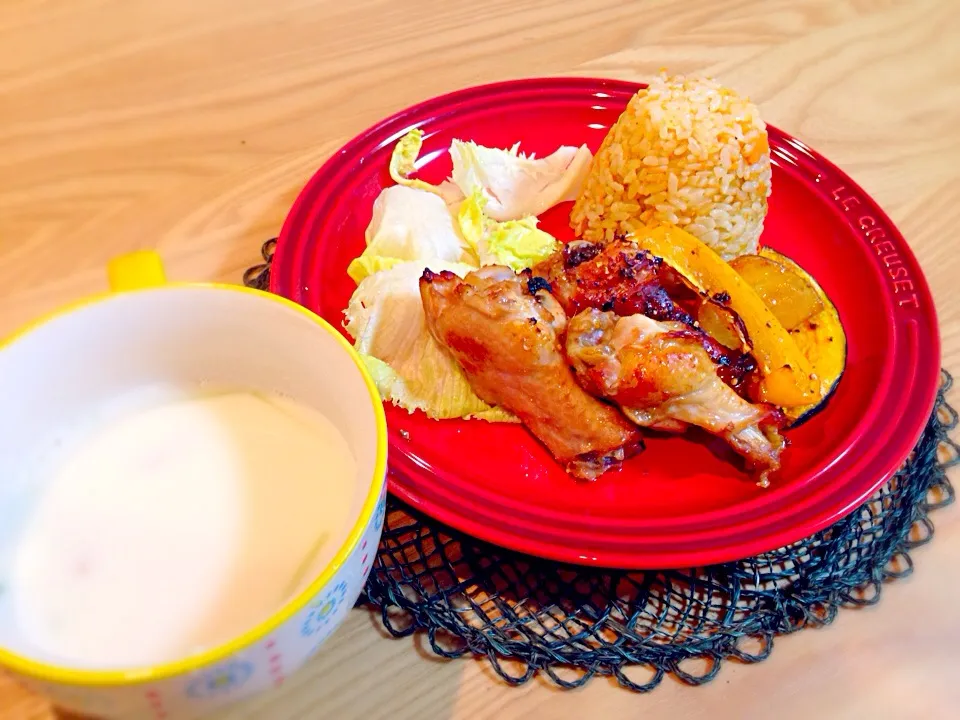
(172, 520)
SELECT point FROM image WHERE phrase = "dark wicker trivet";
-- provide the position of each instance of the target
(574, 623)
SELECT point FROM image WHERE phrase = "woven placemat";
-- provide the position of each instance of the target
(528, 615)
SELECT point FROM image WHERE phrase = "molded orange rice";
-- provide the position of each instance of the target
(686, 151)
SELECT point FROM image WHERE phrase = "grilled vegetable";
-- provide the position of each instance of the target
(790, 295)
(785, 376)
(722, 324)
(820, 337)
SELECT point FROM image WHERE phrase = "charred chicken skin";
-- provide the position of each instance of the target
(662, 377)
(504, 330)
(618, 276)
(615, 276)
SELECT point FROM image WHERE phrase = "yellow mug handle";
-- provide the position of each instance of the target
(136, 271)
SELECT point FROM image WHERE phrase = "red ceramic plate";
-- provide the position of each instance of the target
(681, 502)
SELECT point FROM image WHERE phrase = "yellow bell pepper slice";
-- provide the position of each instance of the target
(786, 379)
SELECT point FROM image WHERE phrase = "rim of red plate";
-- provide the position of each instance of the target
(893, 419)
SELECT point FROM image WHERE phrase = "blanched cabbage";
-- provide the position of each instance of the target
(364, 265)
(403, 160)
(515, 185)
(385, 317)
(403, 163)
(409, 224)
(484, 214)
(517, 244)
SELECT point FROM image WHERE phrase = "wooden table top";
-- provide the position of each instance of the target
(190, 126)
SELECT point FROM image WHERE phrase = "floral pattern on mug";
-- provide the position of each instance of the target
(381, 513)
(221, 680)
(322, 611)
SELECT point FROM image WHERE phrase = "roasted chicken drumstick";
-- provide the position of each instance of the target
(504, 330)
(618, 276)
(663, 379)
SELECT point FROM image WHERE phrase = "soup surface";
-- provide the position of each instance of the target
(173, 519)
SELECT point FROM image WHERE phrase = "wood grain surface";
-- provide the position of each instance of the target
(190, 125)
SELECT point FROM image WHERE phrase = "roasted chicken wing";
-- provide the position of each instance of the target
(614, 276)
(504, 330)
(662, 378)
(619, 276)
